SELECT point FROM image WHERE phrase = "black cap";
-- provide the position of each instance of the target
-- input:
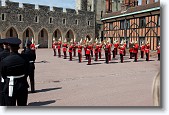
(29, 42)
(13, 41)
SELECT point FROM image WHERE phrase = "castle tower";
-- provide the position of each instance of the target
(81, 5)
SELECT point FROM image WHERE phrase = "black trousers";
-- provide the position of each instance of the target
(147, 56)
(65, 56)
(96, 56)
(80, 57)
(142, 54)
(158, 56)
(135, 57)
(20, 98)
(89, 59)
(70, 55)
(107, 57)
(32, 76)
(1, 94)
(54, 50)
(121, 58)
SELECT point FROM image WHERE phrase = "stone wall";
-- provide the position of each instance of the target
(12, 12)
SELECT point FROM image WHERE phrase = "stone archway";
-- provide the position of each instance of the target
(11, 33)
(69, 35)
(57, 34)
(28, 33)
(43, 38)
(88, 37)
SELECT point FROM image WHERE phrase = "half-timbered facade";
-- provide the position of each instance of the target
(140, 22)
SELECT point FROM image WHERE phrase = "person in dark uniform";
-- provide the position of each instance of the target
(1, 45)
(14, 70)
(32, 57)
(3, 55)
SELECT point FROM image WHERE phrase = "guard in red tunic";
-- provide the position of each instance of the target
(96, 50)
(106, 48)
(131, 49)
(135, 51)
(125, 45)
(109, 45)
(54, 45)
(147, 51)
(65, 48)
(74, 48)
(91, 49)
(158, 51)
(142, 49)
(100, 50)
(59, 47)
(80, 52)
(88, 54)
(121, 51)
(70, 50)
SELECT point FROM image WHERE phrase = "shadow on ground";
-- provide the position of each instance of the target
(48, 89)
(41, 103)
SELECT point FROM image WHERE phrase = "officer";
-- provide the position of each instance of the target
(74, 48)
(3, 55)
(96, 50)
(14, 70)
(131, 49)
(88, 53)
(106, 48)
(59, 47)
(158, 51)
(32, 57)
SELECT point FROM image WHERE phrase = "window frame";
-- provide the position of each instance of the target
(20, 17)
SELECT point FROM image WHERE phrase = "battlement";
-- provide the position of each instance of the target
(16, 5)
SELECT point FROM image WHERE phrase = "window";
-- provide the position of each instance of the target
(76, 22)
(122, 24)
(127, 24)
(42, 33)
(142, 22)
(64, 21)
(147, 1)
(139, 2)
(20, 17)
(3, 17)
(156, 0)
(111, 26)
(50, 20)
(159, 20)
(88, 23)
(37, 19)
(11, 32)
(27, 33)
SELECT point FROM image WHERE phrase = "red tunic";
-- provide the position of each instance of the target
(32, 46)
(158, 50)
(64, 47)
(96, 49)
(135, 50)
(59, 45)
(147, 48)
(70, 48)
(88, 50)
(79, 49)
(142, 48)
(122, 48)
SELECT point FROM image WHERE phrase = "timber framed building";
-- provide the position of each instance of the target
(135, 22)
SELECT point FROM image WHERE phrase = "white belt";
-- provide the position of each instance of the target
(31, 61)
(2, 80)
(11, 83)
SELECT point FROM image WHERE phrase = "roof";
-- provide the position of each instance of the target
(132, 10)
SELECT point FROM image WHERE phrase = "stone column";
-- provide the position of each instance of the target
(50, 37)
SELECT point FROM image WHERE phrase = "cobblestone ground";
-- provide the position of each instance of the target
(60, 82)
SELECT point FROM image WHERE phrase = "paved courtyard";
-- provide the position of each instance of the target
(60, 82)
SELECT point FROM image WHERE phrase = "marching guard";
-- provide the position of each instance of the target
(59, 47)
(142, 49)
(65, 46)
(100, 50)
(121, 51)
(70, 50)
(54, 45)
(158, 51)
(125, 45)
(14, 70)
(147, 51)
(88, 53)
(80, 52)
(131, 49)
(74, 48)
(109, 48)
(135, 51)
(96, 49)
(106, 48)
